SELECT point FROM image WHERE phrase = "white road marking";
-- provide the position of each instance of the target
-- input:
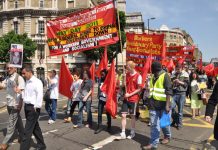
(102, 143)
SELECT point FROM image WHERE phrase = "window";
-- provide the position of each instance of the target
(16, 27)
(41, 27)
(41, 51)
(16, 4)
(41, 3)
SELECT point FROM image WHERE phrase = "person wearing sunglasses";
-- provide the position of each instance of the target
(14, 85)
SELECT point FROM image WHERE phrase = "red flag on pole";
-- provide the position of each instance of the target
(103, 63)
(170, 66)
(163, 55)
(146, 69)
(209, 69)
(109, 88)
(92, 72)
(181, 60)
(65, 80)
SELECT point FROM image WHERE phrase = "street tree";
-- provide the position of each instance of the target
(6, 40)
(114, 49)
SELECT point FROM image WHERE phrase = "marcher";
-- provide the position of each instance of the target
(180, 81)
(196, 103)
(32, 97)
(75, 87)
(131, 98)
(159, 101)
(14, 85)
(212, 103)
(101, 104)
(85, 100)
(51, 104)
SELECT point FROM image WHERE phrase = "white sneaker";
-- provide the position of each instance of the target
(123, 135)
(51, 122)
(132, 135)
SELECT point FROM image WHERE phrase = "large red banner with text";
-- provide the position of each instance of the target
(140, 46)
(84, 30)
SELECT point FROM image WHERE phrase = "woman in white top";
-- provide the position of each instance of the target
(51, 104)
(75, 98)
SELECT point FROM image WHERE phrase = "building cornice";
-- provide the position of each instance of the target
(37, 12)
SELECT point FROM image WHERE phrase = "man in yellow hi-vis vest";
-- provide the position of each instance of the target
(159, 102)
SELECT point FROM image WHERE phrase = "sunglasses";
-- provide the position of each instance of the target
(9, 68)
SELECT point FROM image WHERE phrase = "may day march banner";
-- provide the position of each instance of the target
(140, 46)
(84, 30)
(16, 55)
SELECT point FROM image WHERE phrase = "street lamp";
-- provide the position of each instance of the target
(149, 21)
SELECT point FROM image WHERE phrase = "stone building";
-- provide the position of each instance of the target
(30, 16)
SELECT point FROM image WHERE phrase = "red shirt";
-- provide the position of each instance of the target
(131, 86)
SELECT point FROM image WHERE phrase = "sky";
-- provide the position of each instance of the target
(198, 17)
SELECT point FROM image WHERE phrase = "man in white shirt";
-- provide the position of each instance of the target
(14, 84)
(51, 103)
(32, 97)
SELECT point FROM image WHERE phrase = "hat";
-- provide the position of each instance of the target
(156, 67)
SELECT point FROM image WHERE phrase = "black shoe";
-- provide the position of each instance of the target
(99, 129)
(137, 115)
(109, 129)
(173, 124)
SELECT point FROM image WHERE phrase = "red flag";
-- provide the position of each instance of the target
(109, 88)
(209, 69)
(163, 55)
(170, 66)
(146, 69)
(181, 60)
(92, 71)
(65, 80)
(103, 63)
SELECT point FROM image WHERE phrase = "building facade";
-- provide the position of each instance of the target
(30, 16)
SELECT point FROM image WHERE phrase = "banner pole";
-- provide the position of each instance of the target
(121, 46)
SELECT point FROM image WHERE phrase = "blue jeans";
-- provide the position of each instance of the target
(155, 116)
(179, 101)
(50, 106)
(80, 113)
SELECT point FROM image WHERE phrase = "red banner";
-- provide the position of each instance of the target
(179, 52)
(84, 30)
(140, 46)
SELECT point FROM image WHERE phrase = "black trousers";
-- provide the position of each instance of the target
(101, 105)
(73, 106)
(216, 129)
(32, 127)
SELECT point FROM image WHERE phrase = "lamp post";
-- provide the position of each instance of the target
(149, 21)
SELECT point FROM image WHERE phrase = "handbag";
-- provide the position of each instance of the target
(47, 95)
(165, 120)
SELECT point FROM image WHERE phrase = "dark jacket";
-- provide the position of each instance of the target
(177, 88)
(212, 102)
(161, 105)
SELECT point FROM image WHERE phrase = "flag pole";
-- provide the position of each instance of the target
(121, 46)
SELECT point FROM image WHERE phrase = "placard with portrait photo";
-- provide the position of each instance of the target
(16, 55)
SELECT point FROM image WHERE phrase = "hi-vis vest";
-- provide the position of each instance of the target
(157, 90)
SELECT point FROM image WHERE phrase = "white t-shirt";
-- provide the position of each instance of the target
(75, 88)
(54, 88)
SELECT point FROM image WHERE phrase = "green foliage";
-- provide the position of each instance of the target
(11, 38)
(114, 49)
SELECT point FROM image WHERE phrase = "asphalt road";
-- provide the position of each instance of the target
(62, 136)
